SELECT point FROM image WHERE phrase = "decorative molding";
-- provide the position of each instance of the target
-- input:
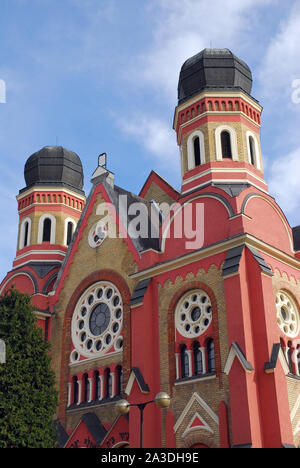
(196, 398)
(136, 375)
(236, 352)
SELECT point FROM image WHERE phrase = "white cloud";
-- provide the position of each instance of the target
(284, 181)
(184, 27)
(281, 64)
(155, 136)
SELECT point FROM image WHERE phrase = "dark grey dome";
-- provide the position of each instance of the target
(213, 69)
(54, 165)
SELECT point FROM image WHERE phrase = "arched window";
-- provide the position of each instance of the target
(96, 385)
(185, 368)
(47, 230)
(252, 150)
(198, 362)
(195, 149)
(86, 388)
(211, 364)
(70, 229)
(75, 390)
(26, 234)
(108, 384)
(119, 380)
(197, 153)
(226, 145)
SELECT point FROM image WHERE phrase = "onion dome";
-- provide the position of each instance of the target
(54, 165)
(213, 70)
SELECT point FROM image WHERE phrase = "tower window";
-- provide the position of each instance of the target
(185, 368)
(47, 230)
(70, 229)
(26, 234)
(252, 150)
(226, 145)
(197, 151)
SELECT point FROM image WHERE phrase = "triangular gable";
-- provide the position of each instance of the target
(277, 355)
(163, 189)
(197, 423)
(108, 194)
(196, 398)
(136, 376)
(236, 352)
(88, 433)
(118, 434)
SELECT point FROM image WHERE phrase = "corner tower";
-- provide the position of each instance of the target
(49, 209)
(217, 122)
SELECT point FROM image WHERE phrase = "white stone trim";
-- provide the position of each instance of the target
(233, 137)
(204, 427)
(196, 398)
(41, 228)
(22, 233)
(257, 152)
(67, 221)
(190, 149)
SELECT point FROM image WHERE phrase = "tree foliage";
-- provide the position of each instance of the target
(28, 399)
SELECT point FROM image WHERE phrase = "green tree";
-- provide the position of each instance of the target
(28, 398)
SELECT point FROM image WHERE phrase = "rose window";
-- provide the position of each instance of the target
(287, 315)
(97, 321)
(193, 314)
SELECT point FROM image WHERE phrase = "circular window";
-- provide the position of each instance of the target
(97, 320)
(97, 235)
(193, 314)
(287, 315)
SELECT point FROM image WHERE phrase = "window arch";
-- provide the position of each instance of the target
(184, 361)
(253, 150)
(70, 227)
(108, 384)
(211, 363)
(119, 372)
(195, 150)
(47, 229)
(226, 143)
(75, 390)
(25, 233)
(198, 359)
(86, 388)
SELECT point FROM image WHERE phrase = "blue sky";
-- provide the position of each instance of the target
(101, 76)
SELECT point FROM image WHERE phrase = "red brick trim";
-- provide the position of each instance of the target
(215, 322)
(120, 283)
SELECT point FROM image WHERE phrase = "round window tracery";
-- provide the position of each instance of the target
(193, 314)
(97, 321)
(287, 315)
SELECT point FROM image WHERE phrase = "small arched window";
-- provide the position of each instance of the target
(226, 145)
(70, 229)
(47, 230)
(185, 368)
(198, 362)
(96, 385)
(211, 363)
(197, 151)
(252, 151)
(26, 233)
(108, 381)
(119, 380)
(75, 390)
(86, 388)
